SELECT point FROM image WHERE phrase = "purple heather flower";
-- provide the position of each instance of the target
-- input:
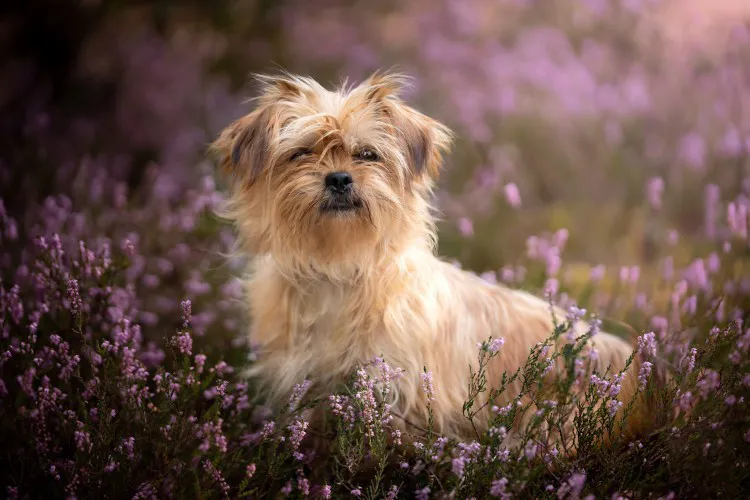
(613, 406)
(184, 343)
(498, 487)
(457, 466)
(298, 393)
(597, 273)
(691, 361)
(82, 439)
(200, 362)
(654, 190)
(512, 195)
(530, 450)
(646, 344)
(575, 314)
(684, 401)
(644, 373)
(128, 447)
(465, 227)
(495, 344)
(551, 287)
(74, 297)
(128, 247)
(298, 430)
(707, 383)
(325, 491)
(692, 150)
(304, 485)
(217, 476)
(573, 486)
(187, 312)
(422, 494)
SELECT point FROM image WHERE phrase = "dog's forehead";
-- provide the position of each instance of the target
(339, 103)
(353, 117)
(330, 102)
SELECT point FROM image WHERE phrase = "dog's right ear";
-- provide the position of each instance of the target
(242, 149)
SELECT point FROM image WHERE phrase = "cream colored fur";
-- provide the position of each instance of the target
(330, 291)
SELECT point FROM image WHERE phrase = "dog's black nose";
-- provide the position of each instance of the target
(339, 181)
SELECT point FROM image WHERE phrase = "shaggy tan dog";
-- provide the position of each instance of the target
(330, 194)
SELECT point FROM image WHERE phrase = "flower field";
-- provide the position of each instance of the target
(600, 159)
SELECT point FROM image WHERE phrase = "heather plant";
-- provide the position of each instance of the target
(88, 410)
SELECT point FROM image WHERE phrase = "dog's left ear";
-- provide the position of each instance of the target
(425, 140)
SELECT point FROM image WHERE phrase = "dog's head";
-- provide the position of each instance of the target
(326, 177)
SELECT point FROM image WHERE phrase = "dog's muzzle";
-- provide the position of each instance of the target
(340, 195)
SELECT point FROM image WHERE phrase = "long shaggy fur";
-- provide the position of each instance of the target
(328, 291)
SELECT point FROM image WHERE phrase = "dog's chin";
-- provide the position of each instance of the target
(340, 206)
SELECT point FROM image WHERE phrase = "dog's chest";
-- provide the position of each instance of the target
(334, 312)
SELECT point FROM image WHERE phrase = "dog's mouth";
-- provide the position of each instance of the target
(340, 204)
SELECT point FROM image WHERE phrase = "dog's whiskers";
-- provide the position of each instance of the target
(366, 206)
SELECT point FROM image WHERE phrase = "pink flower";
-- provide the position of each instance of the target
(684, 401)
(498, 488)
(644, 373)
(82, 439)
(613, 406)
(495, 344)
(298, 393)
(304, 485)
(654, 190)
(187, 309)
(422, 494)
(465, 227)
(646, 344)
(325, 492)
(128, 247)
(708, 382)
(184, 343)
(691, 361)
(74, 297)
(427, 386)
(692, 150)
(530, 450)
(298, 430)
(551, 287)
(597, 273)
(200, 362)
(573, 486)
(217, 476)
(513, 195)
(287, 489)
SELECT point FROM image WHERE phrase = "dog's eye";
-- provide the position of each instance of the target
(299, 154)
(367, 155)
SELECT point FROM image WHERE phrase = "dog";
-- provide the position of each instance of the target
(330, 194)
